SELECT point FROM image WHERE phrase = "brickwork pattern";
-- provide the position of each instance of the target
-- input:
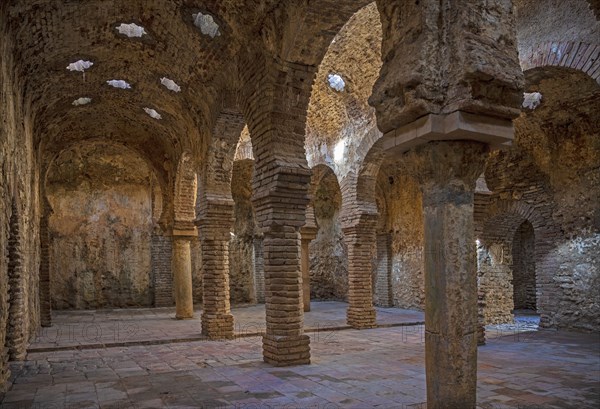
(44, 290)
(162, 276)
(383, 285)
(259, 270)
(276, 116)
(15, 336)
(567, 54)
(523, 254)
(215, 223)
(502, 220)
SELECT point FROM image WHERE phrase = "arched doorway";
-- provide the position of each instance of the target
(524, 277)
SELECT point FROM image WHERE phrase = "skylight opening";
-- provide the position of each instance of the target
(170, 84)
(336, 82)
(207, 25)
(82, 101)
(119, 84)
(131, 30)
(532, 100)
(152, 113)
(80, 65)
(339, 151)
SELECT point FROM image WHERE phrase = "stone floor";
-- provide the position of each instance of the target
(157, 325)
(376, 368)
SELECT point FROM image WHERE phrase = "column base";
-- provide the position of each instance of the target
(184, 316)
(286, 351)
(361, 318)
(217, 326)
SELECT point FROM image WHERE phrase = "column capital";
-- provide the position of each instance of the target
(452, 165)
(184, 232)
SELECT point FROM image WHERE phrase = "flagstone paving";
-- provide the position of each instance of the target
(377, 368)
(156, 325)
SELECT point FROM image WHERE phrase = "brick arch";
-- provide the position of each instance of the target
(184, 199)
(584, 57)
(359, 188)
(319, 171)
(215, 179)
(381, 200)
(500, 224)
(302, 32)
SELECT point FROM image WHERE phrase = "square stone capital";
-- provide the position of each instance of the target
(459, 125)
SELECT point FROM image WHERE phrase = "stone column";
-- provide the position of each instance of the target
(359, 236)
(383, 285)
(447, 172)
(181, 263)
(215, 223)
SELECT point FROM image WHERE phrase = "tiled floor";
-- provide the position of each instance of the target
(381, 368)
(155, 325)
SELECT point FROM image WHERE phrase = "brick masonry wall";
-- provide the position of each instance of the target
(523, 252)
(161, 269)
(19, 200)
(550, 178)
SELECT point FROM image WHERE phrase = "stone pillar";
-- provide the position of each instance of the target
(215, 224)
(447, 172)
(383, 281)
(359, 236)
(181, 264)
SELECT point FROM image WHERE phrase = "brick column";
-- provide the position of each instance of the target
(383, 284)
(45, 297)
(308, 233)
(359, 235)
(15, 334)
(276, 93)
(282, 213)
(181, 265)
(216, 223)
(259, 270)
(447, 172)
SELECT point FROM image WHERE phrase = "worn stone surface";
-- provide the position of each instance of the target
(447, 172)
(101, 228)
(264, 67)
(402, 216)
(328, 252)
(241, 247)
(550, 178)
